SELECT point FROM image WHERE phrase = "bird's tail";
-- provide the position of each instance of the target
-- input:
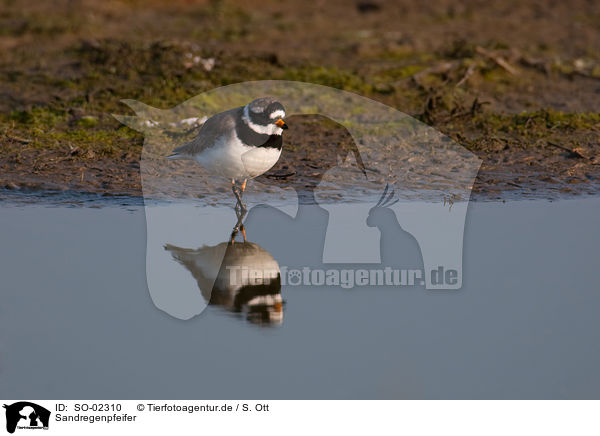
(181, 152)
(181, 254)
(175, 156)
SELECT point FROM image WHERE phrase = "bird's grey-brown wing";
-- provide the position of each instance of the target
(215, 127)
(204, 263)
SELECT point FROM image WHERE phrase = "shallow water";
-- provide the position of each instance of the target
(77, 319)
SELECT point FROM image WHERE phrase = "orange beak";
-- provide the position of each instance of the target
(281, 123)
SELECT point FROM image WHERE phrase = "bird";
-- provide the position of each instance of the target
(241, 277)
(239, 144)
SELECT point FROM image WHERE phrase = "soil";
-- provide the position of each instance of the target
(517, 83)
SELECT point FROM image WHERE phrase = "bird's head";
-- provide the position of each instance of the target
(265, 116)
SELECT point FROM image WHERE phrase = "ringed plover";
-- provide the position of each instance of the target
(239, 144)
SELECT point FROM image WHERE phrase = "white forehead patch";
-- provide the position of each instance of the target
(277, 114)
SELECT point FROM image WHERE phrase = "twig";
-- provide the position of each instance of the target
(572, 153)
(497, 59)
(467, 74)
(477, 105)
(17, 139)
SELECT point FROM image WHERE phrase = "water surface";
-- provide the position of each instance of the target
(77, 319)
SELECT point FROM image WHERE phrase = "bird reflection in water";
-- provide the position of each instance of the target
(242, 277)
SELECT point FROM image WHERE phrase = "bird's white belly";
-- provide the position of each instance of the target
(234, 160)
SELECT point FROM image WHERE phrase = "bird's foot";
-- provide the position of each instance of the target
(238, 228)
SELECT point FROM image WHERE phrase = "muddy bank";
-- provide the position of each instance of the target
(314, 145)
(517, 83)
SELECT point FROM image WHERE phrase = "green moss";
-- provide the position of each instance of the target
(103, 142)
(88, 121)
(38, 116)
(399, 73)
(497, 75)
(332, 77)
(51, 128)
(537, 123)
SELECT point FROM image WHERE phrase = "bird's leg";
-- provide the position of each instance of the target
(243, 229)
(240, 218)
(239, 225)
(243, 211)
(240, 209)
(241, 193)
(239, 206)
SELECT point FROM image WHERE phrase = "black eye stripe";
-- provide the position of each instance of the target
(260, 119)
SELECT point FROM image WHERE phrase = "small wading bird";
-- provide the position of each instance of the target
(242, 278)
(239, 144)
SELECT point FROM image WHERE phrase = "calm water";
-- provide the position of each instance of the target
(77, 319)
